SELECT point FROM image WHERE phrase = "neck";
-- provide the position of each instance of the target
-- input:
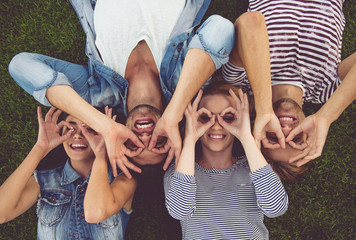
(287, 91)
(143, 78)
(218, 160)
(83, 168)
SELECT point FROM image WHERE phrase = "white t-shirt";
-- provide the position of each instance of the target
(121, 24)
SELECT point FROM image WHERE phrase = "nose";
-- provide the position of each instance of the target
(78, 134)
(145, 138)
(216, 125)
(286, 129)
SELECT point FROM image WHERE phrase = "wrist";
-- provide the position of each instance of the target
(40, 150)
(189, 140)
(246, 139)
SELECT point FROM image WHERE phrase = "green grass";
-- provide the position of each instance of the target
(322, 204)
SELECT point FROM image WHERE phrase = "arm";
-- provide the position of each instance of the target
(115, 134)
(271, 196)
(316, 126)
(251, 51)
(102, 199)
(20, 191)
(180, 199)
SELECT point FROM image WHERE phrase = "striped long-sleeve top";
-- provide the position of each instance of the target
(305, 38)
(224, 203)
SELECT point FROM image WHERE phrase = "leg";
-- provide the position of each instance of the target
(35, 73)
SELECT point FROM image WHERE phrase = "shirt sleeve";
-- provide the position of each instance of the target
(180, 191)
(271, 196)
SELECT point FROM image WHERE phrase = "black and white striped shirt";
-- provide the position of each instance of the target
(225, 203)
(305, 38)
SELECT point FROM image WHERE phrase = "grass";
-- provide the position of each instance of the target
(322, 204)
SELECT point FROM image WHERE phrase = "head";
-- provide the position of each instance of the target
(142, 120)
(290, 114)
(77, 147)
(216, 99)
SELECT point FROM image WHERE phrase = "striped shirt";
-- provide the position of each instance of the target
(224, 203)
(305, 40)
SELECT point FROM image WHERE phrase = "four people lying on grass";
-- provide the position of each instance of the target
(151, 84)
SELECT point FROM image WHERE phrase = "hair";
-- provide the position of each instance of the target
(286, 171)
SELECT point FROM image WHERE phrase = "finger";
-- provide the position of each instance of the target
(55, 115)
(130, 165)
(245, 102)
(135, 140)
(228, 110)
(197, 100)
(48, 116)
(153, 140)
(300, 156)
(225, 125)
(64, 123)
(204, 110)
(39, 115)
(281, 138)
(267, 144)
(294, 133)
(298, 146)
(233, 95)
(131, 153)
(258, 143)
(303, 161)
(169, 159)
(114, 118)
(163, 149)
(114, 168)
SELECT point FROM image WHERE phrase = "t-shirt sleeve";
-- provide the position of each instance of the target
(271, 196)
(180, 191)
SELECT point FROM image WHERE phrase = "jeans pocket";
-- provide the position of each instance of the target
(53, 205)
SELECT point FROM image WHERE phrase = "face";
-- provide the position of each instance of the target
(77, 147)
(290, 115)
(216, 138)
(142, 120)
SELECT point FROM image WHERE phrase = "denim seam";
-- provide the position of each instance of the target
(206, 49)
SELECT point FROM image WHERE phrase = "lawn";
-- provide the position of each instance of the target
(322, 204)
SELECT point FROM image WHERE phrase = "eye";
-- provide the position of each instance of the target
(272, 137)
(130, 145)
(90, 130)
(228, 117)
(204, 118)
(161, 141)
(298, 139)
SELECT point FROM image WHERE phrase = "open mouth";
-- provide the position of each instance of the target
(144, 125)
(286, 118)
(78, 146)
(216, 137)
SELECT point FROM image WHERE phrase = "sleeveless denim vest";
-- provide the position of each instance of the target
(60, 209)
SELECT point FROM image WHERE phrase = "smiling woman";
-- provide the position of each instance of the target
(216, 194)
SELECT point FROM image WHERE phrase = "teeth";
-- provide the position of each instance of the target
(79, 146)
(144, 125)
(216, 136)
(286, 119)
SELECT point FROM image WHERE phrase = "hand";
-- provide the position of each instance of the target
(49, 132)
(95, 140)
(195, 128)
(166, 128)
(316, 128)
(239, 125)
(268, 123)
(115, 137)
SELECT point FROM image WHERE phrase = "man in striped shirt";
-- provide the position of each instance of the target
(288, 53)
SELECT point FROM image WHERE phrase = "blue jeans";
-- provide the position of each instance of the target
(101, 86)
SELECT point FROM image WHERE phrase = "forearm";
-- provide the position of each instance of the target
(99, 195)
(12, 189)
(186, 163)
(253, 154)
(252, 52)
(197, 68)
(65, 98)
(344, 95)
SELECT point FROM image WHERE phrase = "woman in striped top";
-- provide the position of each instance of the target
(217, 195)
(289, 53)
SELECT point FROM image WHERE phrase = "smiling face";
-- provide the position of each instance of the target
(77, 147)
(216, 138)
(290, 115)
(142, 120)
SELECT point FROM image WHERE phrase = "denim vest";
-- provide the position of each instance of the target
(60, 209)
(107, 87)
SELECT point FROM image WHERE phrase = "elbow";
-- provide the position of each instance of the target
(94, 214)
(180, 213)
(278, 209)
(4, 219)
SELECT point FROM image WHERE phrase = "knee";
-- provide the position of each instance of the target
(220, 26)
(18, 62)
(250, 20)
